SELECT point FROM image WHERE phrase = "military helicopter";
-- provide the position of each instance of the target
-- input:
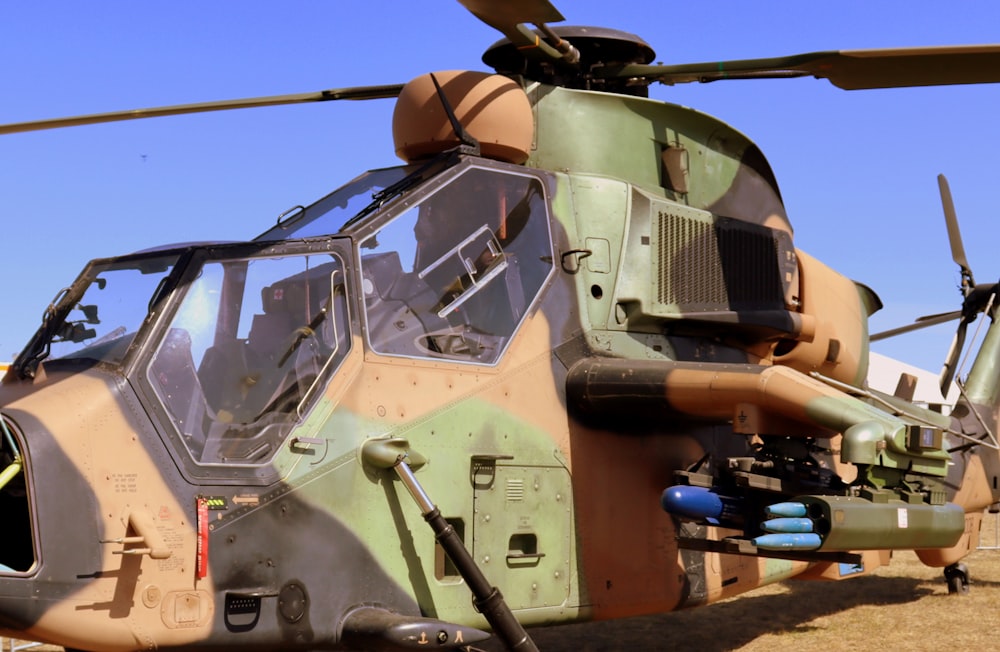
(592, 362)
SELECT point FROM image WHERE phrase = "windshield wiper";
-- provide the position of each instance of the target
(429, 169)
(25, 364)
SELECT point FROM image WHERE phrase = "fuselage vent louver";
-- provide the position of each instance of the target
(719, 265)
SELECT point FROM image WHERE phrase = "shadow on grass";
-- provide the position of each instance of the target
(729, 625)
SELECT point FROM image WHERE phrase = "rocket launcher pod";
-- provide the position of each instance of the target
(849, 523)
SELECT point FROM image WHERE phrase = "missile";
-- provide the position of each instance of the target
(786, 510)
(701, 504)
(804, 541)
(788, 525)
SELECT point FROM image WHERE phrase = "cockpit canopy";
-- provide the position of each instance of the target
(229, 346)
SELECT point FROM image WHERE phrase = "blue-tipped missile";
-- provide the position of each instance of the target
(786, 510)
(701, 504)
(809, 541)
(788, 525)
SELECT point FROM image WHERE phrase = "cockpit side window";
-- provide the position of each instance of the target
(453, 276)
(250, 346)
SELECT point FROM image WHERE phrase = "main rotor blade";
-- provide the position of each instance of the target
(505, 16)
(847, 69)
(352, 93)
(509, 17)
(922, 322)
(955, 235)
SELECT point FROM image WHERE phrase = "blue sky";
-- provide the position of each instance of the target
(857, 169)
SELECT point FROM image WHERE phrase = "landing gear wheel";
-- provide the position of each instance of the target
(957, 577)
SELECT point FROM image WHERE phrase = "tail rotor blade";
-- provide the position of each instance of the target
(955, 235)
(951, 361)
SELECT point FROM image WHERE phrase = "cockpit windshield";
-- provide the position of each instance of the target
(97, 318)
(255, 336)
(329, 215)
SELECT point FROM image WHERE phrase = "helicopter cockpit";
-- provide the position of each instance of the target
(449, 270)
(229, 343)
(228, 346)
(452, 276)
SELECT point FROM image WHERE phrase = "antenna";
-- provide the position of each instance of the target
(469, 145)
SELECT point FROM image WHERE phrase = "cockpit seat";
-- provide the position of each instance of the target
(282, 350)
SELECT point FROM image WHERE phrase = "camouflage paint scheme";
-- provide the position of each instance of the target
(548, 448)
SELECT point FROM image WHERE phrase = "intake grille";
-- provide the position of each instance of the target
(718, 265)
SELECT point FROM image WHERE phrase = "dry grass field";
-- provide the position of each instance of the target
(904, 606)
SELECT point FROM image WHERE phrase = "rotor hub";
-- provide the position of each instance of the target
(598, 46)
